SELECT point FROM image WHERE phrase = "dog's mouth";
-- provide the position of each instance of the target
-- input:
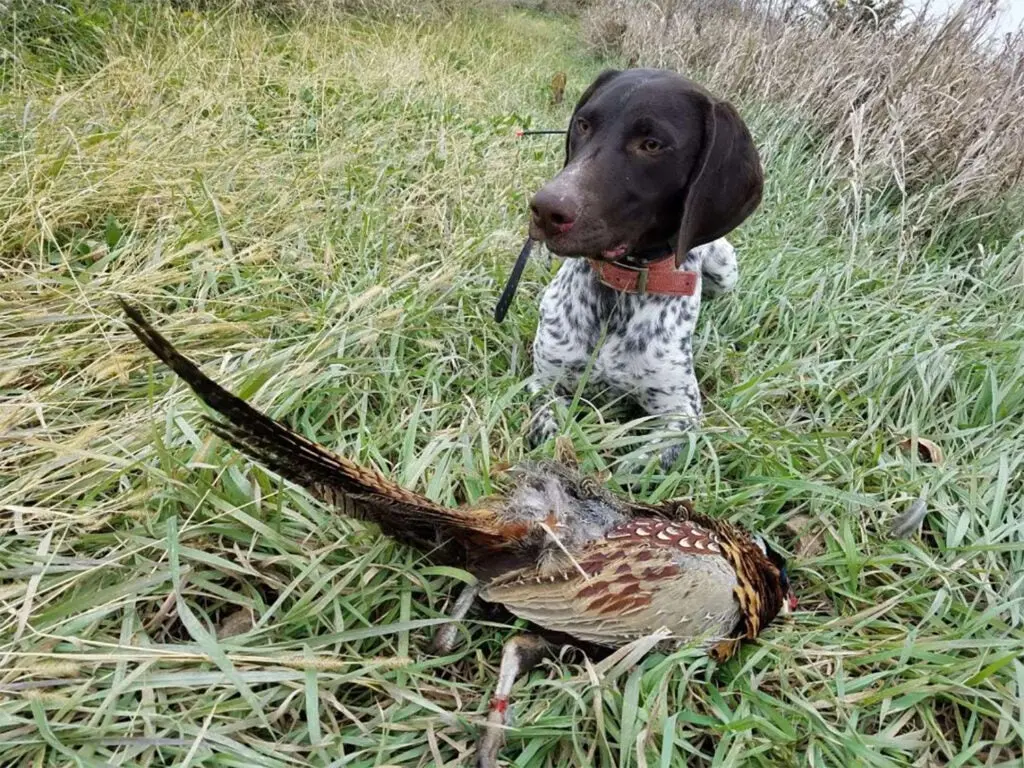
(613, 254)
(608, 255)
(562, 245)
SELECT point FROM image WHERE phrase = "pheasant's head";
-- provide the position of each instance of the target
(789, 601)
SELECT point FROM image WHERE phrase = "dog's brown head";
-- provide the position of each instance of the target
(650, 159)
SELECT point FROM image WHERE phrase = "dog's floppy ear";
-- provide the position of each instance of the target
(726, 185)
(603, 78)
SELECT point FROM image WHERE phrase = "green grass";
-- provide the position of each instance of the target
(323, 217)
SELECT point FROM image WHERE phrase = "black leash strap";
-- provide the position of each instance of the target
(513, 281)
(505, 300)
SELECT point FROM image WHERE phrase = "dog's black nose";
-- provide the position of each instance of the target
(553, 211)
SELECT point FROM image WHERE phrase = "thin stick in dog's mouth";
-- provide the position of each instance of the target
(505, 300)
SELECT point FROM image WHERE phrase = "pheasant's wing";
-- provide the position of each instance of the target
(646, 575)
(358, 491)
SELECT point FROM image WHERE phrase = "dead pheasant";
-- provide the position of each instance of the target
(558, 550)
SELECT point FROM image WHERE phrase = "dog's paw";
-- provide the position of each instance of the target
(669, 456)
(670, 447)
(640, 464)
(541, 428)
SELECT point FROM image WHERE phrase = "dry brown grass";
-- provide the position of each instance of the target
(930, 115)
(381, 9)
(292, 9)
(563, 7)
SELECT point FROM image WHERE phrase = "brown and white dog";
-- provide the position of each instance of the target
(657, 171)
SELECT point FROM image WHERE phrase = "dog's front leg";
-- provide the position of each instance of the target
(670, 454)
(566, 335)
(679, 423)
(679, 405)
(543, 423)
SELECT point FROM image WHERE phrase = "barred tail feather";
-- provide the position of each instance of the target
(355, 490)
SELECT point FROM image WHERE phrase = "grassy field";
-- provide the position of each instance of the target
(323, 215)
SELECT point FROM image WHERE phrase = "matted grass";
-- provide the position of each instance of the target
(322, 216)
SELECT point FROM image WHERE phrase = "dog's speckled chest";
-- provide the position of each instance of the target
(643, 333)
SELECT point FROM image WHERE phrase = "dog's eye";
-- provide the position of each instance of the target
(650, 146)
(583, 126)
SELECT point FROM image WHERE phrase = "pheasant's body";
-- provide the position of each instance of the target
(673, 575)
(557, 549)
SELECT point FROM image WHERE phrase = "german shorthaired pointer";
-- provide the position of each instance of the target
(656, 172)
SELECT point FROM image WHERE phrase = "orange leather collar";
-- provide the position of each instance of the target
(660, 278)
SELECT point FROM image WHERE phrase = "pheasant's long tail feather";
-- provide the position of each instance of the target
(357, 491)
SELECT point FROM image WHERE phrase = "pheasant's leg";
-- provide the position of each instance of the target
(520, 654)
(447, 634)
